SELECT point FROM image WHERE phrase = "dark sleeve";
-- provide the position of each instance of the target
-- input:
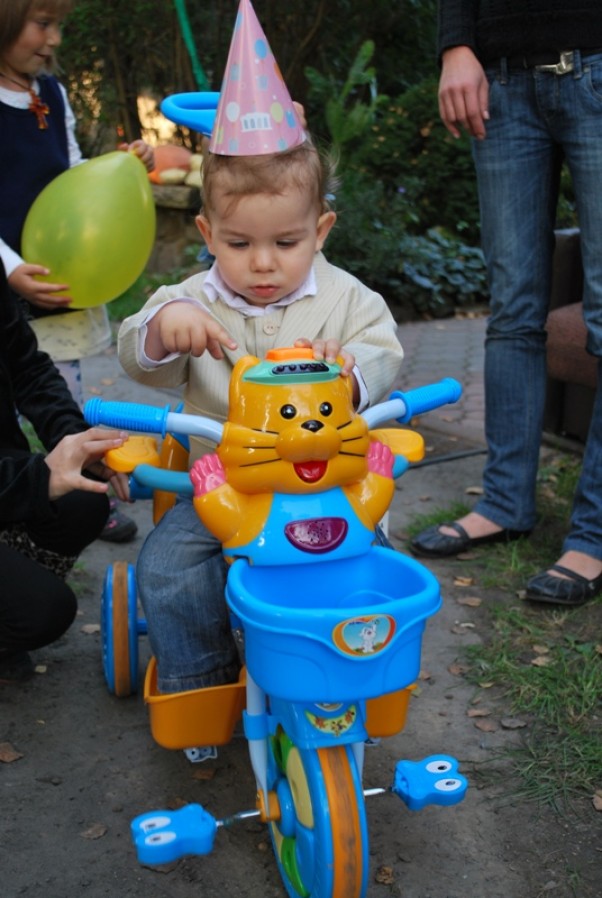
(31, 383)
(31, 386)
(24, 485)
(457, 24)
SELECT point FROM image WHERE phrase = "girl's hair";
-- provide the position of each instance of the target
(237, 176)
(14, 15)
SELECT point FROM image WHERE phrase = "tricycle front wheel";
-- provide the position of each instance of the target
(320, 840)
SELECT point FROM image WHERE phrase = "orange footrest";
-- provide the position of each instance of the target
(196, 717)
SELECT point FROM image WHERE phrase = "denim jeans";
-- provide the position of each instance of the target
(181, 576)
(537, 119)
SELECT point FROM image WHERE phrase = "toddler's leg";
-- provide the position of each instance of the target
(181, 577)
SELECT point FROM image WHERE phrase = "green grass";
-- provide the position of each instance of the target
(560, 756)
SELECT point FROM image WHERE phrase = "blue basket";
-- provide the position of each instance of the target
(335, 631)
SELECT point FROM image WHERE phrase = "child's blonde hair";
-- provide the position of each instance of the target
(238, 176)
(14, 15)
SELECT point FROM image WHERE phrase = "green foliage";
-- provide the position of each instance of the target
(425, 275)
(408, 142)
(347, 116)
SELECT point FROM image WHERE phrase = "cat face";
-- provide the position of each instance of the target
(292, 430)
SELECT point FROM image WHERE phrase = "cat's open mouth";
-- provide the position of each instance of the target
(310, 471)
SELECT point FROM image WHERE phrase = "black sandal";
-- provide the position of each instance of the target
(574, 591)
(431, 543)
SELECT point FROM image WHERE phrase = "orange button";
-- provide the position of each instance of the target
(288, 352)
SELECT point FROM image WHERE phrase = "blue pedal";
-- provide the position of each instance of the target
(435, 780)
(161, 837)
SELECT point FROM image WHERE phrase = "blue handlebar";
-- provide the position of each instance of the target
(402, 407)
(150, 419)
(127, 415)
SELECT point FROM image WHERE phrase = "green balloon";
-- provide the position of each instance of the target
(94, 227)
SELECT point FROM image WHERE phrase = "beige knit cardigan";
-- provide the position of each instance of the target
(343, 308)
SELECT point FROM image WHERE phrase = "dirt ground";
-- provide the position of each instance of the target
(85, 764)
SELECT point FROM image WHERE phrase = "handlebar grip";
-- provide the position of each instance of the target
(127, 415)
(425, 399)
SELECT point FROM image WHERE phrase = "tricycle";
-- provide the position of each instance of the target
(332, 615)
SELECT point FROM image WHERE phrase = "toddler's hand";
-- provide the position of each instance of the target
(331, 351)
(380, 459)
(185, 327)
(207, 474)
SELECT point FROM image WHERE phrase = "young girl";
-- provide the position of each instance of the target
(265, 220)
(38, 143)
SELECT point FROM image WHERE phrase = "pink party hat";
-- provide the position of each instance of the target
(255, 114)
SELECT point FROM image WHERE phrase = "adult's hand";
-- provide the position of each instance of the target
(463, 93)
(81, 451)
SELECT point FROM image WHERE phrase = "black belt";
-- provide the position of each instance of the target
(559, 62)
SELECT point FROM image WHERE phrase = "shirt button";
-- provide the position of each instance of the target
(270, 328)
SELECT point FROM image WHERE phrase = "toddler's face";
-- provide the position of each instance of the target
(265, 245)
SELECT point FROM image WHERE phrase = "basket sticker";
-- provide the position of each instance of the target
(364, 636)
(334, 726)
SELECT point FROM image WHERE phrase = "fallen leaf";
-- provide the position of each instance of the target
(478, 712)
(457, 669)
(384, 875)
(541, 649)
(474, 490)
(107, 381)
(597, 800)
(262, 846)
(463, 581)
(486, 685)
(487, 726)
(468, 625)
(91, 628)
(425, 498)
(96, 831)
(425, 675)
(541, 661)
(40, 668)
(512, 723)
(95, 391)
(8, 753)
(470, 601)
(599, 649)
(458, 630)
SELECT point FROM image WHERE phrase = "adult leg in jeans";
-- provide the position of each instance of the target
(181, 578)
(518, 167)
(577, 124)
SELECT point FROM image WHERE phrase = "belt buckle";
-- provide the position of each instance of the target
(559, 68)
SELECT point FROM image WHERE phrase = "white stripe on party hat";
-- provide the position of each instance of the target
(255, 114)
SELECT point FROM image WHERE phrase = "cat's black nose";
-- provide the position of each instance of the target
(314, 426)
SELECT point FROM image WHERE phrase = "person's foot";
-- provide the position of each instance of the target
(574, 580)
(119, 528)
(443, 540)
(15, 666)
